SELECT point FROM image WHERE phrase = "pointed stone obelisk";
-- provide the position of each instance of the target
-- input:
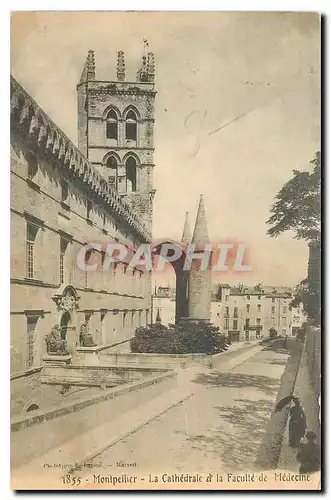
(199, 281)
(182, 276)
(200, 233)
(187, 235)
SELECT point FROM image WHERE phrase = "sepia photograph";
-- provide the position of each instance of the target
(165, 276)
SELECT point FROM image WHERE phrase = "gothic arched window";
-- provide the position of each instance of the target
(131, 174)
(112, 174)
(112, 125)
(131, 126)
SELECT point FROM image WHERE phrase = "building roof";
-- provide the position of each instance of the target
(48, 137)
(266, 290)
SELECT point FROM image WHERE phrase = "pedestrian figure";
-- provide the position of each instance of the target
(297, 424)
(309, 455)
(285, 342)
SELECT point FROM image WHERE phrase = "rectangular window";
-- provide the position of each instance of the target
(124, 318)
(102, 271)
(259, 307)
(102, 317)
(284, 320)
(247, 308)
(258, 321)
(273, 309)
(88, 209)
(30, 330)
(248, 297)
(235, 312)
(32, 231)
(226, 324)
(227, 311)
(284, 310)
(64, 191)
(259, 297)
(235, 324)
(247, 322)
(61, 268)
(63, 248)
(30, 258)
(226, 298)
(273, 300)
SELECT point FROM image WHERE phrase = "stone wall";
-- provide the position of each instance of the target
(63, 199)
(313, 350)
(95, 376)
(28, 391)
(117, 300)
(154, 360)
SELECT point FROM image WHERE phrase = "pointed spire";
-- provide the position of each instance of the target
(120, 66)
(88, 73)
(142, 74)
(150, 67)
(187, 235)
(200, 234)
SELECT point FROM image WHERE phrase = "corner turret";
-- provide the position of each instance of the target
(120, 66)
(88, 73)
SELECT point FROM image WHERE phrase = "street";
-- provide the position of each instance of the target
(220, 427)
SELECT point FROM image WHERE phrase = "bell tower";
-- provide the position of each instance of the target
(116, 129)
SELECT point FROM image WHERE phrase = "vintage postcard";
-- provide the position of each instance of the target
(165, 250)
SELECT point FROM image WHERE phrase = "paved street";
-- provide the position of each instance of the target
(219, 428)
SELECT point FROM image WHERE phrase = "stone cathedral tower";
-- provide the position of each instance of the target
(116, 129)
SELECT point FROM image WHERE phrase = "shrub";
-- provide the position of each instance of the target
(272, 333)
(154, 338)
(301, 335)
(186, 337)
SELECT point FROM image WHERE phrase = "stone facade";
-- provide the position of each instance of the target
(116, 130)
(230, 312)
(59, 202)
(249, 313)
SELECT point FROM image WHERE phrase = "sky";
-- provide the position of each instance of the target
(237, 109)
